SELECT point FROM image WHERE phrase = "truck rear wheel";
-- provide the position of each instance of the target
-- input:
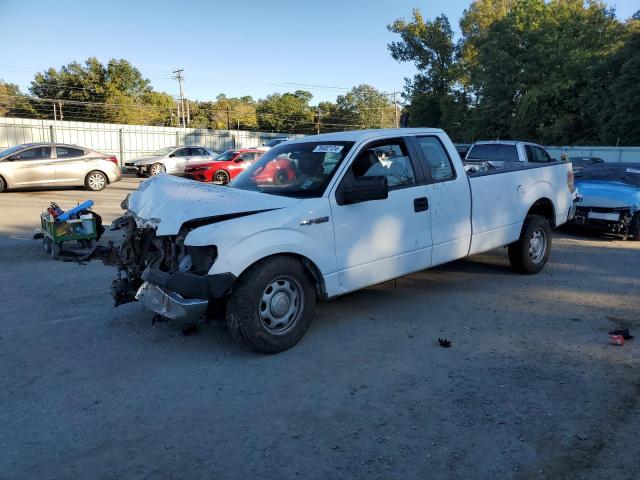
(272, 305)
(530, 253)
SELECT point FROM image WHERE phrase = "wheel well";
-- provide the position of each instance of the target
(311, 268)
(544, 208)
(6, 185)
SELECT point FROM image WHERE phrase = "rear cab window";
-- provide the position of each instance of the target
(493, 151)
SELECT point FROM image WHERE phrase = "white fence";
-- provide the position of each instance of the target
(124, 141)
(608, 154)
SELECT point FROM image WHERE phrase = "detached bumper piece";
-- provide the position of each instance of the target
(169, 304)
(188, 285)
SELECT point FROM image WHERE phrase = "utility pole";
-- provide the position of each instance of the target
(180, 78)
(60, 110)
(318, 122)
(228, 120)
(395, 106)
(55, 117)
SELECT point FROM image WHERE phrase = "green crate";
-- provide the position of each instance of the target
(64, 231)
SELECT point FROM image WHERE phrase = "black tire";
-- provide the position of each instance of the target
(247, 309)
(3, 185)
(96, 181)
(221, 176)
(634, 227)
(46, 244)
(156, 169)
(530, 253)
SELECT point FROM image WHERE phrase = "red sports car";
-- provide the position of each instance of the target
(225, 167)
(229, 164)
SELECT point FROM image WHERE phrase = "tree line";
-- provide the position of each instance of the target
(560, 72)
(117, 92)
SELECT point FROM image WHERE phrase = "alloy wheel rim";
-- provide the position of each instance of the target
(537, 245)
(222, 177)
(281, 305)
(156, 169)
(96, 181)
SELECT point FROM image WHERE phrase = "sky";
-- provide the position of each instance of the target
(241, 47)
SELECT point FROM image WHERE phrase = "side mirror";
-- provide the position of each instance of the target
(172, 155)
(363, 189)
(239, 159)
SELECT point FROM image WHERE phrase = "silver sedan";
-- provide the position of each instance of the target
(56, 164)
(171, 160)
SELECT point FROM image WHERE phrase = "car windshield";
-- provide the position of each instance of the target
(163, 151)
(274, 142)
(226, 156)
(11, 151)
(493, 151)
(294, 170)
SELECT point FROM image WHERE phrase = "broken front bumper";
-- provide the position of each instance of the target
(169, 304)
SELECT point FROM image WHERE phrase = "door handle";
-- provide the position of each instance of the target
(420, 204)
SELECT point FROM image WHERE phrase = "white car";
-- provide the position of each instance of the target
(272, 143)
(171, 160)
(364, 207)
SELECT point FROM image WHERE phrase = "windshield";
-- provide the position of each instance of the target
(226, 156)
(294, 170)
(10, 151)
(163, 151)
(274, 142)
(493, 151)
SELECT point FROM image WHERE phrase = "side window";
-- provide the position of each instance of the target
(248, 157)
(38, 153)
(198, 151)
(537, 154)
(439, 163)
(389, 160)
(183, 152)
(68, 152)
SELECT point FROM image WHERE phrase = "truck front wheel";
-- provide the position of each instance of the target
(272, 305)
(530, 253)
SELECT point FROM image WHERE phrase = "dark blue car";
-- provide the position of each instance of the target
(610, 198)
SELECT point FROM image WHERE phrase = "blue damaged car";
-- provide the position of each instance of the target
(609, 198)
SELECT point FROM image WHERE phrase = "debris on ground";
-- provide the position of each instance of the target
(624, 332)
(444, 342)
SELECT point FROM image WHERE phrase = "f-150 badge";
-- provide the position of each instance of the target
(314, 221)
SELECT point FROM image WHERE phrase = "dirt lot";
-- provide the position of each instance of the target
(530, 388)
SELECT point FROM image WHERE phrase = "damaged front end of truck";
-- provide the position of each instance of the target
(161, 272)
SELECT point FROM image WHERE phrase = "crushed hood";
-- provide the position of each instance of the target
(173, 201)
(606, 194)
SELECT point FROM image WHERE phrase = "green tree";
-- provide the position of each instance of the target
(364, 107)
(435, 95)
(287, 112)
(13, 103)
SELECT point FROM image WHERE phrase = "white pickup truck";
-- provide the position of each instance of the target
(358, 208)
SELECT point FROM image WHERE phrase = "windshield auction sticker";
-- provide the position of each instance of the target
(328, 149)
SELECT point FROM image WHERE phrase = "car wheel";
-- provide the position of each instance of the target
(281, 177)
(156, 169)
(46, 244)
(634, 227)
(95, 181)
(221, 176)
(530, 253)
(3, 185)
(272, 305)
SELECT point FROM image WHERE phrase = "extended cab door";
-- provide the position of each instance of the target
(450, 199)
(378, 240)
(32, 167)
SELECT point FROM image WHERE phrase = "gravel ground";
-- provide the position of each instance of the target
(530, 388)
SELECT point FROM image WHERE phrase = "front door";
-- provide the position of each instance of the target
(379, 240)
(32, 167)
